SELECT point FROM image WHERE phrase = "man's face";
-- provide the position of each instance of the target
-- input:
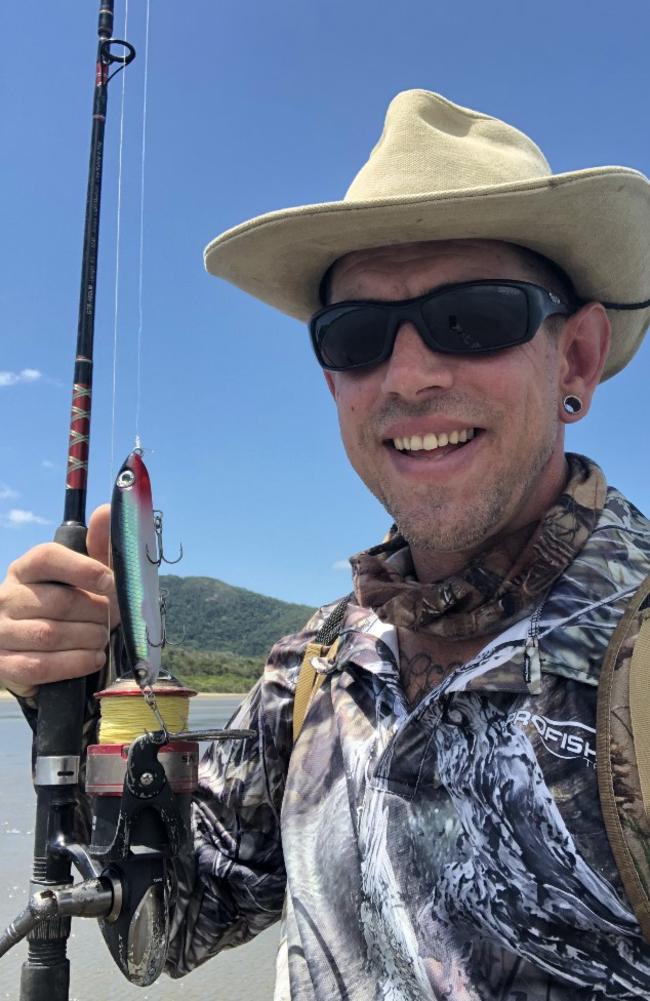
(454, 497)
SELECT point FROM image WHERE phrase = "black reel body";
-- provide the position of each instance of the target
(139, 827)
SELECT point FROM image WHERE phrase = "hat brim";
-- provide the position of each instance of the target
(594, 223)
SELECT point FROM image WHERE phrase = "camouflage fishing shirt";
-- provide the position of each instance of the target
(454, 850)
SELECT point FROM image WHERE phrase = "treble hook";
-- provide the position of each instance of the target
(163, 624)
(158, 529)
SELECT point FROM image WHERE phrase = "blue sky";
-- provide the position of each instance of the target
(254, 107)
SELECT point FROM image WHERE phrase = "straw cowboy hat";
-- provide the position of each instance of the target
(440, 172)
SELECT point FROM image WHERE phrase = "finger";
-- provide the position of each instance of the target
(56, 601)
(32, 668)
(46, 635)
(53, 562)
(97, 539)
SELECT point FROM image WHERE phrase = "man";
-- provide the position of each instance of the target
(438, 816)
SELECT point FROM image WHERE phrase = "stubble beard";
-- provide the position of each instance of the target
(439, 524)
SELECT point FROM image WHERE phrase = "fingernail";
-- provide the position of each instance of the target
(105, 582)
(100, 658)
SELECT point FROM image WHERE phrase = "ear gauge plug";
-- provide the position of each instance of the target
(572, 404)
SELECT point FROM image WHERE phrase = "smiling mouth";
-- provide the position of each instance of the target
(430, 442)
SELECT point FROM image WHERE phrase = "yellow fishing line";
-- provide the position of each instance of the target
(124, 719)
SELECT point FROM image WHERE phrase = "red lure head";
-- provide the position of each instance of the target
(133, 476)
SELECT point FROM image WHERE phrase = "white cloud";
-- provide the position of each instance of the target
(341, 565)
(25, 375)
(47, 464)
(6, 493)
(18, 517)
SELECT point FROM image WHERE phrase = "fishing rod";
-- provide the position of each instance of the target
(46, 973)
(141, 774)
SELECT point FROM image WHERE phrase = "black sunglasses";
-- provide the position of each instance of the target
(466, 318)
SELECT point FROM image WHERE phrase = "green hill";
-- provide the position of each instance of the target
(206, 614)
(219, 635)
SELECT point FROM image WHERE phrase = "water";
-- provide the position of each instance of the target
(244, 974)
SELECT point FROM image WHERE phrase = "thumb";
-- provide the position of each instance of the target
(97, 539)
(98, 546)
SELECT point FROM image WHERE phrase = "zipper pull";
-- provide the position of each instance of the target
(532, 662)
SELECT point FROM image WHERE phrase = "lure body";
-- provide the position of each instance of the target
(135, 531)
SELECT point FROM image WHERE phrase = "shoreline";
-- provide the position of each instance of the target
(4, 694)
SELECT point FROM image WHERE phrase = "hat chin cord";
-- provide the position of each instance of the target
(625, 305)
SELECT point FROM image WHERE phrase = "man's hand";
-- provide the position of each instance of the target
(56, 608)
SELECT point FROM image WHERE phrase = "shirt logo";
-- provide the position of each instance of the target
(561, 738)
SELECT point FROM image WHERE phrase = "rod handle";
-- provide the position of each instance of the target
(45, 979)
(61, 704)
(72, 535)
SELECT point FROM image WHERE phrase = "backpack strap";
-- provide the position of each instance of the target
(640, 705)
(324, 644)
(623, 751)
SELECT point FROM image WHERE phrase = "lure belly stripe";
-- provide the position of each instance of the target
(135, 562)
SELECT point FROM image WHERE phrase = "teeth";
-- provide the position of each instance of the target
(430, 441)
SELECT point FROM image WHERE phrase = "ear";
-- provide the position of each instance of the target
(331, 385)
(583, 346)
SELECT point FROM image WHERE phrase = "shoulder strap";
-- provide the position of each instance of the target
(640, 705)
(324, 644)
(623, 751)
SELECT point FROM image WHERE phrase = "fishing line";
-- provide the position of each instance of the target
(143, 157)
(118, 226)
(116, 293)
(140, 715)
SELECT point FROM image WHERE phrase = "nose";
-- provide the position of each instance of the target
(413, 369)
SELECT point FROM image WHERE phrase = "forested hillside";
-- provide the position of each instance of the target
(206, 614)
(219, 635)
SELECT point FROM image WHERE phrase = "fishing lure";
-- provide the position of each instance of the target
(136, 541)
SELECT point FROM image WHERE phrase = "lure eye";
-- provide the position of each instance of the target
(126, 479)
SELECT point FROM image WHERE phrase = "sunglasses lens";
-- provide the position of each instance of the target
(470, 318)
(351, 337)
(476, 318)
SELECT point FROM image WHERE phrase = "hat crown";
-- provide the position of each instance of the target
(430, 144)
